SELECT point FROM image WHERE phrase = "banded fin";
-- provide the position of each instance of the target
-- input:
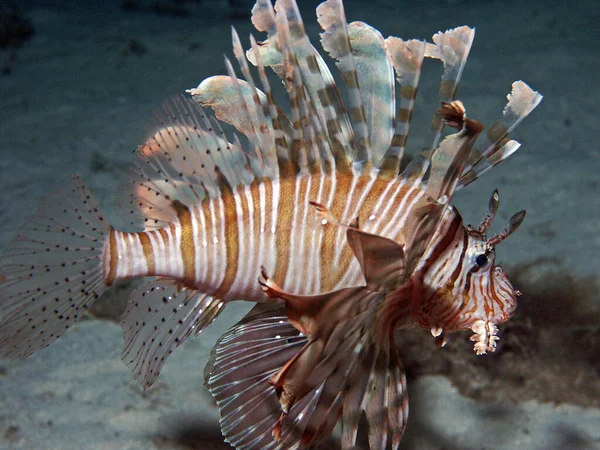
(336, 41)
(407, 59)
(521, 101)
(238, 372)
(447, 164)
(346, 332)
(304, 145)
(375, 76)
(160, 316)
(331, 119)
(53, 270)
(452, 48)
(186, 158)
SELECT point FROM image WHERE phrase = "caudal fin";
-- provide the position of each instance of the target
(52, 272)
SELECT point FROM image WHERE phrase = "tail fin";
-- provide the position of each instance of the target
(52, 272)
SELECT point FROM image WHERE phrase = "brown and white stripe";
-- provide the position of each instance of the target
(219, 245)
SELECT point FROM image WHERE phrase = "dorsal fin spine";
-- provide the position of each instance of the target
(452, 48)
(336, 42)
(279, 136)
(294, 86)
(265, 137)
(407, 59)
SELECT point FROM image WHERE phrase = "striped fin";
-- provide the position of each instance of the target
(160, 316)
(452, 48)
(346, 334)
(407, 59)
(329, 120)
(269, 140)
(317, 79)
(521, 101)
(238, 372)
(282, 127)
(336, 41)
(263, 18)
(52, 272)
(303, 149)
(447, 164)
(375, 76)
(186, 158)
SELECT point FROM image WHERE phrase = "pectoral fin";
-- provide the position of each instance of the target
(382, 260)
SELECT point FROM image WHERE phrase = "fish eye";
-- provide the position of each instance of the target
(481, 260)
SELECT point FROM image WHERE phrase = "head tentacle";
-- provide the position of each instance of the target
(513, 223)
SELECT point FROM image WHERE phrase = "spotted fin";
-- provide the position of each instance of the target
(160, 316)
(185, 158)
(52, 272)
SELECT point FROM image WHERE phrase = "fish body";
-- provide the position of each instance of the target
(348, 241)
(229, 238)
(220, 244)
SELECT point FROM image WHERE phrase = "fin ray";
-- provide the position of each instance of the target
(407, 59)
(160, 316)
(240, 366)
(336, 41)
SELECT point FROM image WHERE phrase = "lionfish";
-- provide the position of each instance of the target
(314, 215)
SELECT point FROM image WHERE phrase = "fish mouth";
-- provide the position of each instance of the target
(505, 296)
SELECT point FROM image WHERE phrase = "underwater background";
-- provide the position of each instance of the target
(78, 83)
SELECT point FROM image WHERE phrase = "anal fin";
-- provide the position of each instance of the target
(161, 315)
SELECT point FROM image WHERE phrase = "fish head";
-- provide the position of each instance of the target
(488, 295)
(468, 290)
